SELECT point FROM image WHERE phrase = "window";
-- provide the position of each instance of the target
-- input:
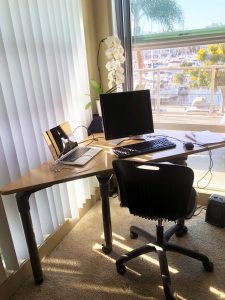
(178, 51)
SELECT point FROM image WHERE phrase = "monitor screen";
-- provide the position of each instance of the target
(126, 114)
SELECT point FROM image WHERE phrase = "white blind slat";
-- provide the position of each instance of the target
(58, 204)
(15, 226)
(44, 79)
(44, 212)
(6, 242)
(2, 272)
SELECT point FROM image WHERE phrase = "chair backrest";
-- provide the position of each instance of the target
(154, 190)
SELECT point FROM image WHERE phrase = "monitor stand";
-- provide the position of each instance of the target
(141, 137)
(116, 142)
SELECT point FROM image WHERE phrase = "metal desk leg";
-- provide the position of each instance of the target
(22, 199)
(104, 193)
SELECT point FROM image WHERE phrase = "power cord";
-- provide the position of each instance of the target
(93, 139)
(89, 132)
(59, 166)
(198, 210)
(209, 171)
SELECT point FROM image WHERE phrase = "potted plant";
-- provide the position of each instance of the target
(115, 58)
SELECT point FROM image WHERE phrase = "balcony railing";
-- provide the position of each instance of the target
(170, 97)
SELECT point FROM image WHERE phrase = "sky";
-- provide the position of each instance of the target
(202, 13)
(197, 14)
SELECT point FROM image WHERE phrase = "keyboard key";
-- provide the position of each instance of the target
(77, 153)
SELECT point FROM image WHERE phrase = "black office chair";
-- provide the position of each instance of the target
(159, 192)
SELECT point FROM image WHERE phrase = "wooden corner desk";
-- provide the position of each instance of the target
(101, 167)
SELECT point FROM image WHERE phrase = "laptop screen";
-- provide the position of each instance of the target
(60, 140)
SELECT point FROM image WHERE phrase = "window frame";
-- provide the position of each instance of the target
(158, 41)
(181, 38)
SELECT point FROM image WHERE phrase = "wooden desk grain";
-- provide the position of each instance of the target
(44, 176)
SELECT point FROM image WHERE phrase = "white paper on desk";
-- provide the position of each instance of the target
(206, 137)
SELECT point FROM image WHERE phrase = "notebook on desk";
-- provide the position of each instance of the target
(206, 137)
(65, 149)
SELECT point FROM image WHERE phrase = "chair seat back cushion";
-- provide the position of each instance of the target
(154, 190)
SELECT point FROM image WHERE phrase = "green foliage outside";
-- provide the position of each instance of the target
(98, 89)
(165, 12)
(212, 56)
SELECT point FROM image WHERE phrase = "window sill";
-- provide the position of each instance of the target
(189, 122)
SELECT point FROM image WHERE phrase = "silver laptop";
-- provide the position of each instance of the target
(64, 147)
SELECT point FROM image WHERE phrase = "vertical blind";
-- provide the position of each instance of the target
(44, 81)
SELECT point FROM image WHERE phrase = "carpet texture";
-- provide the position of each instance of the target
(78, 269)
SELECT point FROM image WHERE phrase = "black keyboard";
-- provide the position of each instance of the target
(143, 147)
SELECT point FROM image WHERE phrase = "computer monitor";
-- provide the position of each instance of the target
(126, 114)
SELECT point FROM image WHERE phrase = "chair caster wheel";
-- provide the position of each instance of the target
(106, 250)
(121, 269)
(208, 266)
(133, 235)
(39, 281)
(181, 231)
(170, 295)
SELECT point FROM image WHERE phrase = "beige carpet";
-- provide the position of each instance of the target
(77, 268)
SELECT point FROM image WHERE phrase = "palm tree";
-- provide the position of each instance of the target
(165, 12)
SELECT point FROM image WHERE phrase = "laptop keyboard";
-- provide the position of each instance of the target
(77, 153)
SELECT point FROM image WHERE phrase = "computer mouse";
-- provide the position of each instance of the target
(189, 145)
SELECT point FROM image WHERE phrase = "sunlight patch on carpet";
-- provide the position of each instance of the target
(217, 292)
(144, 256)
(97, 248)
(179, 297)
(120, 237)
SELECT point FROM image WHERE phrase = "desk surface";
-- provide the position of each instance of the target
(44, 176)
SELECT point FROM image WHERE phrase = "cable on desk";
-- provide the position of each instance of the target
(88, 131)
(93, 139)
(59, 166)
(209, 171)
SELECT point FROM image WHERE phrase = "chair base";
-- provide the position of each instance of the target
(160, 245)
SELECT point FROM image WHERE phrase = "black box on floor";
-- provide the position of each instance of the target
(215, 211)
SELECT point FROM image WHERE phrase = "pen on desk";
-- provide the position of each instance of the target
(191, 136)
